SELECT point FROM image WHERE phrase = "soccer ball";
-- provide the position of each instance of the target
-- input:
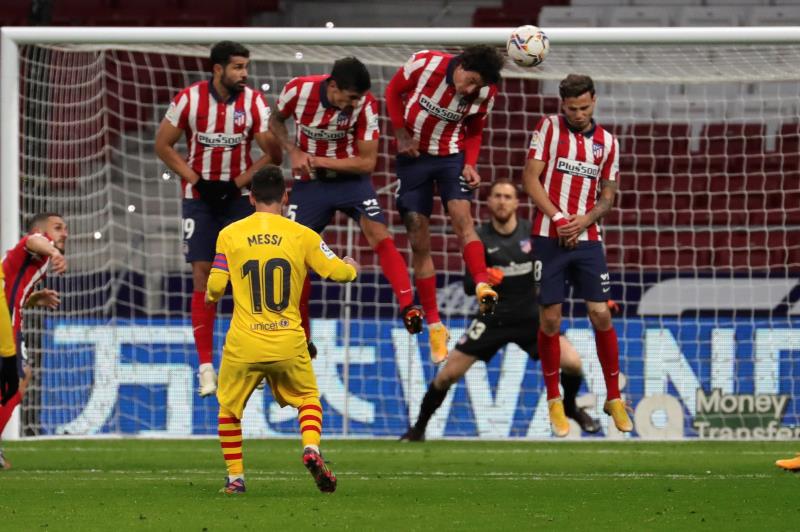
(527, 46)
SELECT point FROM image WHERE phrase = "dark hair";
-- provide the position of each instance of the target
(222, 52)
(268, 185)
(503, 181)
(350, 74)
(483, 59)
(40, 217)
(574, 85)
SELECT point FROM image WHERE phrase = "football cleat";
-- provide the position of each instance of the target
(208, 380)
(412, 319)
(619, 413)
(4, 464)
(413, 434)
(586, 422)
(437, 338)
(789, 464)
(487, 298)
(233, 486)
(323, 476)
(558, 419)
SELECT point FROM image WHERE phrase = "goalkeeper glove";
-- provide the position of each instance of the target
(9, 378)
(495, 276)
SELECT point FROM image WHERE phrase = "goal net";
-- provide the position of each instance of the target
(702, 245)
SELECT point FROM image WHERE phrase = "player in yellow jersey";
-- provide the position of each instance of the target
(265, 257)
(9, 374)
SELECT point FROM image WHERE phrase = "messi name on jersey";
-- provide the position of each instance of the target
(323, 134)
(217, 140)
(264, 239)
(439, 112)
(578, 168)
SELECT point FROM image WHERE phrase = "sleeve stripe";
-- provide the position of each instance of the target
(220, 262)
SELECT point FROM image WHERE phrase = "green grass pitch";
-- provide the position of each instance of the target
(116, 485)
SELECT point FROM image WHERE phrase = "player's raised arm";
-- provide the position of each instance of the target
(322, 260)
(219, 276)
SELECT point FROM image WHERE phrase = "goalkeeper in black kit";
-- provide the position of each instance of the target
(506, 240)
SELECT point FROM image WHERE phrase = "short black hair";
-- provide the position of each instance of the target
(350, 74)
(574, 85)
(222, 52)
(483, 59)
(268, 185)
(40, 217)
(503, 181)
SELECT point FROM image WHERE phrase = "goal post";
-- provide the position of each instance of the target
(701, 245)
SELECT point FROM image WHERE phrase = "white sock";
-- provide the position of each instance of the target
(207, 365)
(312, 447)
(234, 477)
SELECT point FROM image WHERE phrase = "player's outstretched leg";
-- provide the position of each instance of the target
(394, 267)
(230, 439)
(310, 416)
(437, 332)
(550, 356)
(572, 384)
(203, 316)
(789, 464)
(430, 403)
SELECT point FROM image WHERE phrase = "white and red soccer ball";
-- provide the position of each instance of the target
(527, 46)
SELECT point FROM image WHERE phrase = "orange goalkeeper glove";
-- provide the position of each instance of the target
(495, 276)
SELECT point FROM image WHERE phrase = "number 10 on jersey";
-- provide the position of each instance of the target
(270, 284)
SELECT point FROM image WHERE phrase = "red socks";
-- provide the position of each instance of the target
(608, 354)
(7, 410)
(476, 261)
(203, 326)
(550, 356)
(396, 271)
(426, 290)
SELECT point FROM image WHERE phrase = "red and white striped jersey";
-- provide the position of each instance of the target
(433, 112)
(219, 133)
(323, 129)
(22, 270)
(575, 164)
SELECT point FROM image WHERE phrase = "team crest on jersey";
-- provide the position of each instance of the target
(239, 118)
(597, 150)
(463, 105)
(343, 119)
(525, 245)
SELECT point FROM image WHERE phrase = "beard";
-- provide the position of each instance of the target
(501, 217)
(233, 87)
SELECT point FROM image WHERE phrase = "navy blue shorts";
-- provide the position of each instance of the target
(417, 176)
(313, 203)
(201, 227)
(584, 267)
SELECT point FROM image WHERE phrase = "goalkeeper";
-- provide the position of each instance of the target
(506, 240)
(266, 257)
